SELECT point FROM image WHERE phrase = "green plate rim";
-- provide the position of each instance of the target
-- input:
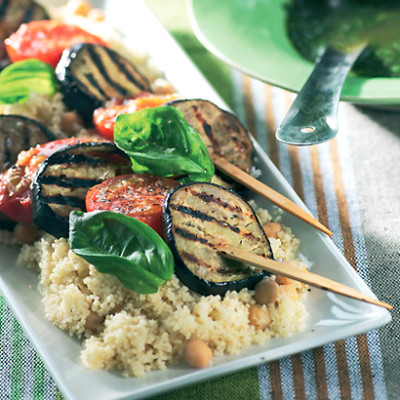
(358, 90)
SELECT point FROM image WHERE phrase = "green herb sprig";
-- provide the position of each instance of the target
(122, 246)
(160, 142)
(20, 79)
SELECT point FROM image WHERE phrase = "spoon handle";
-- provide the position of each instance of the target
(312, 118)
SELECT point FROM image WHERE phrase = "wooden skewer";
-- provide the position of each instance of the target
(265, 191)
(286, 269)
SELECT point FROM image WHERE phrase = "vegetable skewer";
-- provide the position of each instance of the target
(223, 134)
(267, 192)
(286, 269)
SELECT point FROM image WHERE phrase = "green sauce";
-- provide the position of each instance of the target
(312, 25)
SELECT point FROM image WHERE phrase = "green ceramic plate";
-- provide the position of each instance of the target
(250, 36)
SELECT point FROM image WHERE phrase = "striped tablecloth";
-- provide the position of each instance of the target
(352, 184)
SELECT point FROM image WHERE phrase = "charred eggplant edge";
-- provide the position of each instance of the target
(45, 129)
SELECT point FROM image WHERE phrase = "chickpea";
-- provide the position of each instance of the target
(197, 354)
(26, 233)
(259, 316)
(266, 292)
(93, 320)
(272, 229)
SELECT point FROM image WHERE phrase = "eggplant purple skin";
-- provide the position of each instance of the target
(187, 277)
(75, 96)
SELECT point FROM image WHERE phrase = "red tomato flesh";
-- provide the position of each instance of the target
(139, 196)
(46, 40)
(15, 182)
(104, 117)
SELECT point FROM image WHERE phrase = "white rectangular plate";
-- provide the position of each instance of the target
(331, 317)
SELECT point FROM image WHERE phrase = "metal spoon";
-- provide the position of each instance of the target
(312, 118)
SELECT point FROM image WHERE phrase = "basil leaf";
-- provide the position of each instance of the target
(21, 78)
(160, 142)
(122, 246)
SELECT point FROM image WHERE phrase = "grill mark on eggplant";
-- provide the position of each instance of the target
(98, 61)
(123, 69)
(67, 182)
(195, 260)
(212, 199)
(72, 201)
(206, 126)
(203, 217)
(192, 237)
(81, 160)
(92, 80)
(106, 73)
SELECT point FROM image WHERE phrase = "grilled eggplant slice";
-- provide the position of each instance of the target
(197, 219)
(63, 179)
(13, 13)
(19, 133)
(91, 74)
(220, 131)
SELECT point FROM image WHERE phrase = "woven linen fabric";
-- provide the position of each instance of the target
(352, 184)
